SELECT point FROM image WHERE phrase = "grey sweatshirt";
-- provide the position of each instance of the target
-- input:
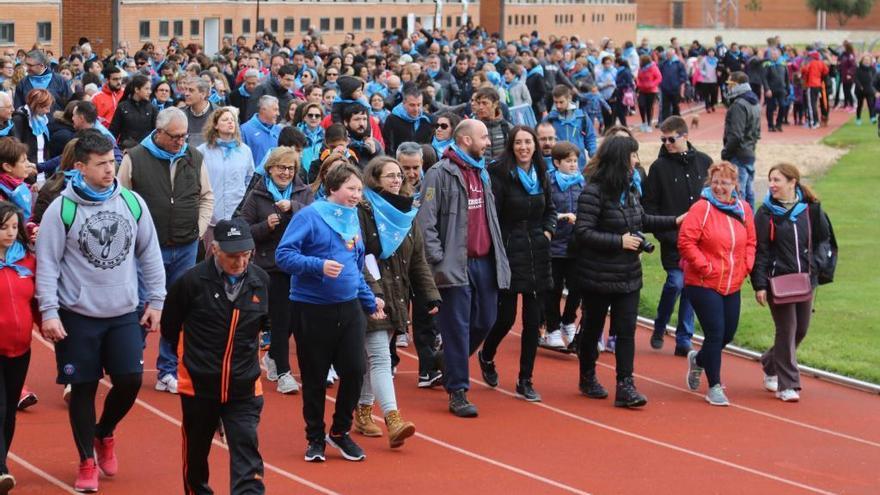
(92, 269)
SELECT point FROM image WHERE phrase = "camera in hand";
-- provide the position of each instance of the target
(645, 245)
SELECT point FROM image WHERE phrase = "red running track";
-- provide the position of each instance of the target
(827, 443)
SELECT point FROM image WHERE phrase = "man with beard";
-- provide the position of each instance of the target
(107, 100)
(547, 139)
(357, 124)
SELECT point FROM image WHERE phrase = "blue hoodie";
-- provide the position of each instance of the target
(576, 129)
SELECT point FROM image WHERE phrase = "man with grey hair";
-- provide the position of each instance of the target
(261, 132)
(7, 128)
(241, 96)
(198, 108)
(40, 76)
(169, 175)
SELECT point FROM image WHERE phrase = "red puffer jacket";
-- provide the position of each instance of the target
(649, 78)
(19, 311)
(717, 249)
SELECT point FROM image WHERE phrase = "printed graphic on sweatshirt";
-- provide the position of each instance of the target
(105, 239)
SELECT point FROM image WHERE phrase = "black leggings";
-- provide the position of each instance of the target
(868, 99)
(279, 316)
(12, 373)
(709, 92)
(624, 313)
(563, 276)
(646, 106)
(533, 304)
(81, 410)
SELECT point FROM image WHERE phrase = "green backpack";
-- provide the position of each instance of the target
(69, 206)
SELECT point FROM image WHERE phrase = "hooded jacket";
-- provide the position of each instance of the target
(649, 78)
(742, 124)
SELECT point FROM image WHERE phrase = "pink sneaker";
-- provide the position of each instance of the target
(87, 478)
(107, 462)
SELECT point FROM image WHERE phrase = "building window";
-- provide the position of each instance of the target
(245, 26)
(339, 24)
(261, 24)
(458, 21)
(304, 24)
(356, 23)
(510, 19)
(44, 31)
(383, 22)
(178, 28)
(288, 24)
(227, 26)
(194, 27)
(273, 25)
(163, 29)
(371, 23)
(325, 24)
(144, 30)
(394, 23)
(449, 21)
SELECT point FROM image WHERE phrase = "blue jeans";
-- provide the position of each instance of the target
(177, 260)
(719, 317)
(746, 178)
(672, 289)
(465, 318)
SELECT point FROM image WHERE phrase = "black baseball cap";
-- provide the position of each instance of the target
(233, 236)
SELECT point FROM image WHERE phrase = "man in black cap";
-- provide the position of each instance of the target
(215, 312)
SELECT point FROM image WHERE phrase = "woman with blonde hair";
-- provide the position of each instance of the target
(790, 225)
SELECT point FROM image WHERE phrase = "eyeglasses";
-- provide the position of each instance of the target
(722, 183)
(332, 74)
(392, 176)
(176, 137)
(289, 170)
(443, 125)
(671, 139)
(314, 115)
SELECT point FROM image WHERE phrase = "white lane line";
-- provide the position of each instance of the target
(42, 474)
(176, 422)
(659, 443)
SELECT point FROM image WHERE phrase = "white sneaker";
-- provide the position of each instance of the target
(167, 384)
(788, 395)
(65, 395)
(287, 384)
(600, 346)
(771, 383)
(553, 340)
(402, 341)
(568, 332)
(331, 377)
(271, 368)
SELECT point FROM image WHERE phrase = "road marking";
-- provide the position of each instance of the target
(42, 474)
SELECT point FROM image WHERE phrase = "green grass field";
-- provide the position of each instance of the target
(844, 335)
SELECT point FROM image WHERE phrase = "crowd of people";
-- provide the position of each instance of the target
(362, 196)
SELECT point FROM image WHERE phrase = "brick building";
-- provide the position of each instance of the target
(25, 22)
(744, 14)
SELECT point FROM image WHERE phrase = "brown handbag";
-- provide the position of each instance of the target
(793, 287)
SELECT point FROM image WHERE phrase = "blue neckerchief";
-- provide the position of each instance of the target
(42, 81)
(529, 180)
(581, 73)
(16, 252)
(376, 87)
(468, 159)
(243, 91)
(392, 224)
(564, 181)
(86, 191)
(380, 114)
(158, 105)
(548, 160)
(635, 183)
(778, 210)
(314, 136)
(159, 153)
(538, 69)
(735, 208)
(273, 130)
(276, 193)
(440, 146)
(103, 130)
(20, 197)
(215, 97)
(227, 146)
(432, 73)
(5, 131)
(342, 219)
(400, 113)
(712, 61)
(39, 125)
(347, 101)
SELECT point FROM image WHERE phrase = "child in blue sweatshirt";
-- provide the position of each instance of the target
(323, 252)
(593, 104)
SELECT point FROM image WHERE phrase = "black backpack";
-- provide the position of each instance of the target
(825, 254)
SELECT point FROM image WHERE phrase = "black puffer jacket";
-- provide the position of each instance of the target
(133, 121)
(779, 255)
(602, 263)
(674, 183)
(524, 219)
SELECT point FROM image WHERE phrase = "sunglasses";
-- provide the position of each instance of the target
(671, 139)
(443, 125)
(314, 115)
(332, 74)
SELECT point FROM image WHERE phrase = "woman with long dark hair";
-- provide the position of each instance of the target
(609, 237)
(135, 115)
(527, 217)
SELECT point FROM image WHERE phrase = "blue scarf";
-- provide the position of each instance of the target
(564, 181)
(243, 91)
(548, 160)
(15, 253)
(734, 208)
(400, 113)
(392, 224)
(538, 69)
(635, 183)
(529, 180)
(581, 74)
(42, 81)
(227, 146)
(314, 136)
(778, 210)
(215, 97)
(86, 191)
(161, 106)
(159, 153)
(276, 193)
(273, 130)
(103, 130)
(432, 73)
(20, 197)
(342, 219)
(468, 159)
(440, 146)
(39, 125)
(380, 114)
(350, 102)
(5, 131)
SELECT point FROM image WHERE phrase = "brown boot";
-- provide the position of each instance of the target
(398, 429)
(363, 421)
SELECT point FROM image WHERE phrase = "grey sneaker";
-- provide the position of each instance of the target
(271, 368)
(694, 372)
(287, 384)
(716, 397)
